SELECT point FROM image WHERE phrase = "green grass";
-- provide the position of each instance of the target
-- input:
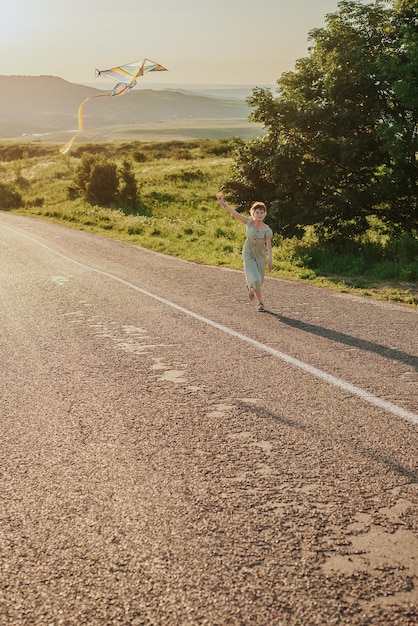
(178, 215)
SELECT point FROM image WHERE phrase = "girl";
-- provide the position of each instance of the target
(257, 242)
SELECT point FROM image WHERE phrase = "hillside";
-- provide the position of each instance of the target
(38, 105)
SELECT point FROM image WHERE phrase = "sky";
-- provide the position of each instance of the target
(226, 42)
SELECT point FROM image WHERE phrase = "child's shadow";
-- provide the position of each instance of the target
(355, 342)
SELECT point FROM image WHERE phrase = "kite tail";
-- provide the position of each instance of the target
(67, 147)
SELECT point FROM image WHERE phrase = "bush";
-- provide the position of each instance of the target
(102, 187)
(140, 157)
(406, 248)
(103, 183)
(187, 176)
(14, 153)
(9, 197)
(128, 195)
(36, 202)
(98, 179)
(220, 147)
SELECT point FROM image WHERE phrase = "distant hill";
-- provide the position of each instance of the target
(38, 105)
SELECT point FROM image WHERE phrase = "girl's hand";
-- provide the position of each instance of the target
(270, 265)
(220, 198)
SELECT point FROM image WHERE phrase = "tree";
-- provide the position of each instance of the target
(9, 197)
(399, 125)
(128, 195)
(340, 141)
(98, 179)
(103, 185)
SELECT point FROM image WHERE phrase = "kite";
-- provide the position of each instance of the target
(126, 78)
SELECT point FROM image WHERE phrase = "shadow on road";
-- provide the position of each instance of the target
(356, 446)
(348, 340)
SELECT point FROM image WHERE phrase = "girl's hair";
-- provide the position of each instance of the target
(258, 205)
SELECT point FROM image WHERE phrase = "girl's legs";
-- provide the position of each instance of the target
(254, 277)
(258, 296)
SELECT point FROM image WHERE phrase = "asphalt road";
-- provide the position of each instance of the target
(168, 456)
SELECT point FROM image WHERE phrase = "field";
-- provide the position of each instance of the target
(178, 214)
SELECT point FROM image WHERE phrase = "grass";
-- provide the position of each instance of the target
(178, 215)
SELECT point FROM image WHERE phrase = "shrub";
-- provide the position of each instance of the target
(140, 157)
(103, 183)
(102, 187)
(98, 179)
(9, 197)
(187, 176)
(36, 202)
(128, 195)
(406, 248)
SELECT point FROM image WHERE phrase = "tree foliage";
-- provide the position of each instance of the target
(128, 194)
(103, 183)
(341, 137)
(10, 198)
(97, 178)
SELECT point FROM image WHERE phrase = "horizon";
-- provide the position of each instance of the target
(197, 87)
(158, 86)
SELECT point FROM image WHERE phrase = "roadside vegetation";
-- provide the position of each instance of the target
(336, 163)
(164, 200)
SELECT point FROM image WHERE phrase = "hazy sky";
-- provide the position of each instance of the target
(220, 41)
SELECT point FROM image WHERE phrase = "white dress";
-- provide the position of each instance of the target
(254, 255)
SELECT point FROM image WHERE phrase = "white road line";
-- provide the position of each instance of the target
(328, 378)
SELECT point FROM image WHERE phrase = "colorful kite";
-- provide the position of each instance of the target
(126, 77)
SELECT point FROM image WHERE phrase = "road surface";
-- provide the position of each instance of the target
(171, 457)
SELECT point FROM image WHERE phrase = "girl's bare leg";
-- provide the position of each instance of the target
(258, 296)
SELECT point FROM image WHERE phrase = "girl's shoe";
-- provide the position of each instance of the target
(261, 308)
(250, 293)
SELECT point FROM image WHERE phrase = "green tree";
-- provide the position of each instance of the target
(98, 179)
(398, 188)
(340, 142)
(103, 185)
(9, 197)
(128, 194)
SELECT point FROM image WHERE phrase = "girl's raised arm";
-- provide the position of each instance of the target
(233, 212)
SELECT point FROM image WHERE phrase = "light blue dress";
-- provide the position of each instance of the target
(254, 255)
